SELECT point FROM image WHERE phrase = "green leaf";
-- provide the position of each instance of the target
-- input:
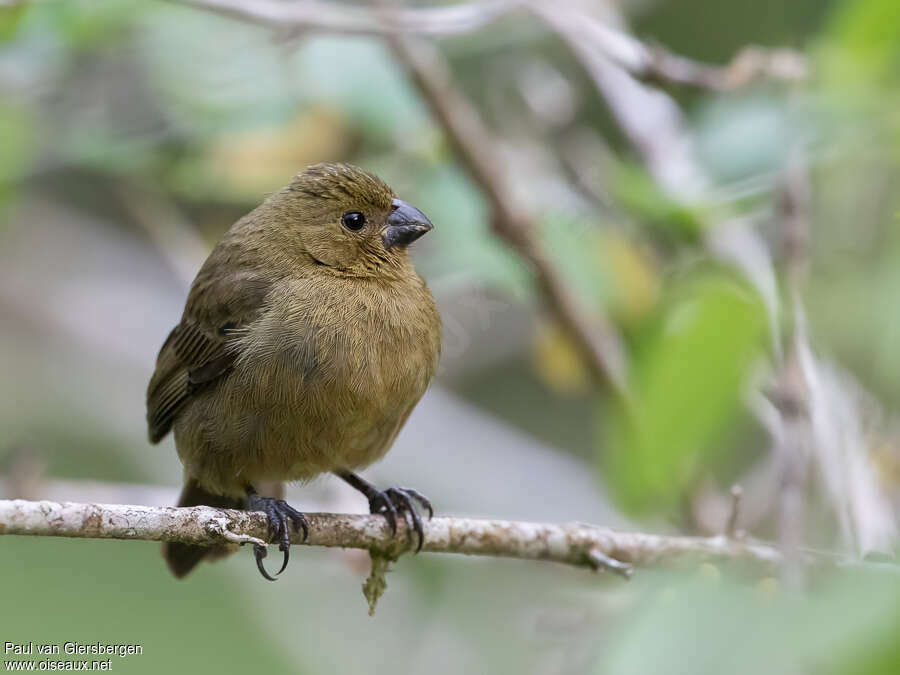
(864, 39)
(636, 191)
(686, 387)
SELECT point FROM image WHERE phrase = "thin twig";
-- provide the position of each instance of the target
(657, 63)
(731, 526)
(600, 561)
(575, 544)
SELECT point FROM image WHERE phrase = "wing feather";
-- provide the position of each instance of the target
(186, 350)
(198, 350)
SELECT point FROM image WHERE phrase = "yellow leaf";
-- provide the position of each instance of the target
(262, 160)
(557, 363)
(634, 275)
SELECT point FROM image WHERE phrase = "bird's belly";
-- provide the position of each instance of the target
(292, 428)
(303, 400)
(299, 442)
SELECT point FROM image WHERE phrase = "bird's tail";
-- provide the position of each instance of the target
(182, 558)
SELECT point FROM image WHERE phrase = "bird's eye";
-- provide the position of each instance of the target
(353, 221)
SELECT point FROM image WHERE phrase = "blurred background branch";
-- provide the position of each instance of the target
(643, 61)
(326, 16)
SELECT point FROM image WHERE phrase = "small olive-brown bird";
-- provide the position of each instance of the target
(306, 340)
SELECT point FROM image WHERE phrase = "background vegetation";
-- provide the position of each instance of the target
(754, 294)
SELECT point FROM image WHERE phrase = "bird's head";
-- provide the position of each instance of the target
(350, 220)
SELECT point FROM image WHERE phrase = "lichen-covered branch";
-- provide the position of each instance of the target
(576, 544)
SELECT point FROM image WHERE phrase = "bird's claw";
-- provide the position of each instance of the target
(279, 514)
(260, 552)
(394, 501)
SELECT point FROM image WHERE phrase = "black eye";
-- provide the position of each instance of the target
(353, 221)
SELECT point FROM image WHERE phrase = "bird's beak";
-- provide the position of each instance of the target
(405, 224)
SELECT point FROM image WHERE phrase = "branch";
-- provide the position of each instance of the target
(575, 544)
(653, 62)
(642, 60)
(354, 20)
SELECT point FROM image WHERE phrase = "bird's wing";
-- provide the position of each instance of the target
(190, 356)
(200, 349)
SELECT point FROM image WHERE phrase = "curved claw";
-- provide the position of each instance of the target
(404, 498)
(394, 501)
(260, 552)
(299, 522)
(279, 513)
(382, 503)
(287, 556)
(422, 499)
(417, 528)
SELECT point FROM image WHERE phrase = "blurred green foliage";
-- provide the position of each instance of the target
(863, 44)
(689, 374)
(118, 593)
(639, 194)
(705, 627)
(467, 249)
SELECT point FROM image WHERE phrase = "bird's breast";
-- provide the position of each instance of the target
(330, 372)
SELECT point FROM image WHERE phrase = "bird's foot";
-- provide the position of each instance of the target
(281, 516)
(394, 501)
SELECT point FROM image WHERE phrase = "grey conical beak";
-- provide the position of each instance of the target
(405, 224)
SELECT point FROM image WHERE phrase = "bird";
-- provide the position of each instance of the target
(307, 339)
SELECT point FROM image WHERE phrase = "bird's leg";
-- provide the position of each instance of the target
(390, 502)
(279, 514)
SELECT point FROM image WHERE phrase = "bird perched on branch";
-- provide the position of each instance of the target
(306, 340)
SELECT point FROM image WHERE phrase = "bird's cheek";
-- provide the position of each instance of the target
(333, 253)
